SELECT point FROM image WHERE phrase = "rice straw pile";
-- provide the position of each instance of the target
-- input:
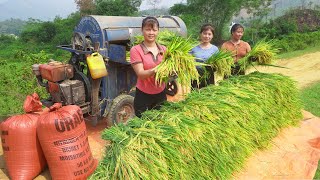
(221, 62)
(207, 136)
(263, 53)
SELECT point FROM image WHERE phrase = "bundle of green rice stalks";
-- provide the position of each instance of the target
(263, 53)
(178, 61)
(221, 62)
(164, 38)
(138, 39)
(207, 136)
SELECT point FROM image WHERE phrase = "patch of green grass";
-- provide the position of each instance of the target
(317, 175)
(293, 54)
(16, 83)
(311, 98)
(17, 80)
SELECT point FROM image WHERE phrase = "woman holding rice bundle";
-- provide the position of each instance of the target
(202, 52)
(144, 58)
(238, 47)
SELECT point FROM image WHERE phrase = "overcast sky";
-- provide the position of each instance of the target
(47, 10)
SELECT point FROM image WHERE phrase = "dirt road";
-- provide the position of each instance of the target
(304, 69)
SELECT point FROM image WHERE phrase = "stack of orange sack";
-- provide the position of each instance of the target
(55, 137)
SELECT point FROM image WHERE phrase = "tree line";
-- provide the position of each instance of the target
(193, 12)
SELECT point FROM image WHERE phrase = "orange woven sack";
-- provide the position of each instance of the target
(32, 103)
(21, 148)
(63, 138)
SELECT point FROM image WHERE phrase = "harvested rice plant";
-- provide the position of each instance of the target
(263, 53)
(178, 61)
(222, 62)
(207, 136)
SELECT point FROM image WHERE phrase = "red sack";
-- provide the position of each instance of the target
(32, 103)
(21, 148)
(63, 138)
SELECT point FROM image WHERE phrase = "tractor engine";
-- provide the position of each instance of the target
(59, 83)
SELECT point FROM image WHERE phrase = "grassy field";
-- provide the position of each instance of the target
(311, 98)
(17, 80)
(293, 54)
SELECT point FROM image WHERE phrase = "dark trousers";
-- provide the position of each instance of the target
(206, 77)
(235, 71)
(144, 101)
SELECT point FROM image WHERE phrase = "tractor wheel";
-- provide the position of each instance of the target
(121, 109)
(171, 88)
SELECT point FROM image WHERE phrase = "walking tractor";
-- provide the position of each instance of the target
(97, 39)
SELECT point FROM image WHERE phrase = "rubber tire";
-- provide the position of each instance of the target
(171, 88)
(117, 104)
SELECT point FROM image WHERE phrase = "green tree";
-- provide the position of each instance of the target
(47, 31)
(6, 39)
(64, 28)
(85, 7)
(217, 12)
(117, 7)
(37, 31)
(179, 9)
(190, 19)
(31, 30)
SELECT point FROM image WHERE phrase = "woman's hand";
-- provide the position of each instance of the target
(154, 70)
(142, 73)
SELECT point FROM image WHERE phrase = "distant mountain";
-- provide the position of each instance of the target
(280, 7)
(154, 12)
(12, 26)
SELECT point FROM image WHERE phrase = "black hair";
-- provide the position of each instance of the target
(150, 21)
(235, 27)
(206, 27)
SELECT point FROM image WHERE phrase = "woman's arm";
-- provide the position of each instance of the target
(136, 60)
(141, 72)
(248, 47)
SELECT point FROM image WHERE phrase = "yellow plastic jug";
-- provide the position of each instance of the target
(96, 66)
